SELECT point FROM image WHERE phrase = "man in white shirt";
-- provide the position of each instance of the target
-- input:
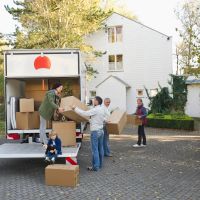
(106, 145)
(97, 118)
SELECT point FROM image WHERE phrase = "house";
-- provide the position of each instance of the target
(135, 56)
(192, 107)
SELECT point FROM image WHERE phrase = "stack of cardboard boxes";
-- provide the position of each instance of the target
(36, 89)
(27, 118)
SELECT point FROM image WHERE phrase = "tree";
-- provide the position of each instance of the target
(56, 23)
(162, 102)
(188, 53)
(168, 102)
(179, 92)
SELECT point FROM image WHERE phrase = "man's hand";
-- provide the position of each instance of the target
(61, 110)
(73, 107)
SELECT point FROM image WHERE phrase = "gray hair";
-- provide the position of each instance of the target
(107, 99)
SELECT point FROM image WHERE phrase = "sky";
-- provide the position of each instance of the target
(157, 14)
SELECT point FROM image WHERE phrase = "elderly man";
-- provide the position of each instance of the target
(106, 144)
(97, 117)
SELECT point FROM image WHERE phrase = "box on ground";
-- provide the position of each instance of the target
(66, 132)
(67, 103)
(28, 120)
(62, 175)
(26, 105)
(36, 85)
(37, 95)
(117, 121)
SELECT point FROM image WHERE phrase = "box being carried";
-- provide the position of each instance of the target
(134, 120)
(117, 121)
(62, 175)
(66, 132)
(67, 103)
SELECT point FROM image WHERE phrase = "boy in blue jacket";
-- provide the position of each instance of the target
(53, 148)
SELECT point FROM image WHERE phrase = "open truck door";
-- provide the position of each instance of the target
(30, 74)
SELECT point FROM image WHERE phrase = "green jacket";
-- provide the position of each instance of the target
(48, 105)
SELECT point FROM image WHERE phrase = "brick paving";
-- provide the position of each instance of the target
(168, 169)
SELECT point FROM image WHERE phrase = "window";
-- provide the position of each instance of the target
(140, 92)
(92, 93)
(153, 92)
(115, 62)
(115, 34)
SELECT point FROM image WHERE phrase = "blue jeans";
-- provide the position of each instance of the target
(106, 145)
(51, 155)
(97, 149)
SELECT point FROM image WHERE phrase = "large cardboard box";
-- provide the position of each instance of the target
(36, 84)
(62, 175)
(117, 121)
(26, 105)
(136, 120)
(67, 103)
(27, 120)
(66, 132)
(37, 95)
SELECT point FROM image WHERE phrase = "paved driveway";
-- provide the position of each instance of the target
(168, 168)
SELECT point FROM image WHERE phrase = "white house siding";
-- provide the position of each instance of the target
(147, 58)
(117, 93)
(193, 100)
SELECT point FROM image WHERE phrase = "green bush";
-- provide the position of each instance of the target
(175, 121)
(2, 112)
(2, 128)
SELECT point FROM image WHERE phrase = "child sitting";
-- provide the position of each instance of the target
(53, 147)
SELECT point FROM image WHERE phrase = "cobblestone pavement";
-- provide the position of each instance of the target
(168, 169)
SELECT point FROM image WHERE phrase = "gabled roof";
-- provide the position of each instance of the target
(117, 78)
(192, 80)
(140, 24)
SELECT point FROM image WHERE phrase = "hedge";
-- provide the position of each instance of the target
(170, 121)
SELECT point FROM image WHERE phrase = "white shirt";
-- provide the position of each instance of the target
(97, 115)
(106, 112)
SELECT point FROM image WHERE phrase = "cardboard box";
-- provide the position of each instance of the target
(67, 103)
(117, 121)
(32, 85)
(37, 95)
(66, 132)
(62, 175)
(26, 105)
(134, 120)
(27, 120)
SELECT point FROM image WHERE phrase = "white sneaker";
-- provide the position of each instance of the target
(143, 145)
(136, 145)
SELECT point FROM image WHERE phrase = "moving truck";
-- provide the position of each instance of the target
(29, 74)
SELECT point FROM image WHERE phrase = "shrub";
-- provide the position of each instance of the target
(2, 112)
(171, 121)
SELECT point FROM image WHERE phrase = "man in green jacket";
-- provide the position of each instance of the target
(47, 109)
